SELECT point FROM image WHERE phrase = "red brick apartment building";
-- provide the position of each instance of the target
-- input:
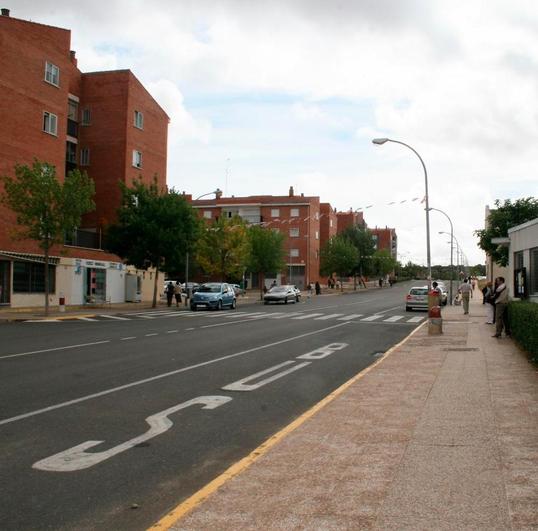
(295, 216)
(386, 239)
(104, 123)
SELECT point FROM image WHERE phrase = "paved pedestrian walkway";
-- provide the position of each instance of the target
(442, 433)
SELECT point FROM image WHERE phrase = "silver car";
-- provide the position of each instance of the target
(282, 294)
(417, 298)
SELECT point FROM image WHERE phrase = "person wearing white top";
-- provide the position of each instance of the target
(465, 290)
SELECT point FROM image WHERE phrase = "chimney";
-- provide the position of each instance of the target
(218, 193)
(72, 54)
(291, 191)
(5, 12)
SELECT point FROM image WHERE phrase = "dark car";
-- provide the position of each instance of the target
(214, 296)
(282, 294)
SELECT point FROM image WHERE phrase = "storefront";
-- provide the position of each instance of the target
(5, 282)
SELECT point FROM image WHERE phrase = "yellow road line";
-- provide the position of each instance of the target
(167, 521)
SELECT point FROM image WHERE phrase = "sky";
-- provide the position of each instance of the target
(264, 95)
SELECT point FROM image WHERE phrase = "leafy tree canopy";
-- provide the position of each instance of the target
(382, 262)
(505, 216)
(338, 256)
(362, 239)
(155, 228)
(222, 251)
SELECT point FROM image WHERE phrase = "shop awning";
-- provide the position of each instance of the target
(28, 257)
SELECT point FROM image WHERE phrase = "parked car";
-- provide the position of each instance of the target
(297, 292)
(282, 294)
(417, 298)
(213, 296)
(238, 289)
(193, 287)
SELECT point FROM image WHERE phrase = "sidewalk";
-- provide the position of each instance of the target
(442, 433)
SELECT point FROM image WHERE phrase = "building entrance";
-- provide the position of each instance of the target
(95, 285)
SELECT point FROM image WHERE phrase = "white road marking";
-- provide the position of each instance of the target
(53, 349)
(350, 317)
(330, 316)
(190, 328)
(372, 317)
(43, 321)
(322, 352)
(86, 319)
(240, 385)
(144, 316)
(389, 309)
(415, 319)
(284, 315)
(116, 317)
(172, 331)
(127, 338)
(163, 375)
(308, 316)
(152, 334)
(393, 319)
(76, 458)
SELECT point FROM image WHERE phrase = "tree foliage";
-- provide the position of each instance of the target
(505, 216)
(383, 263)
(338, 256)
(266, 252)
(363, 241)
(155, 228)
(45, 208)
(222, 251)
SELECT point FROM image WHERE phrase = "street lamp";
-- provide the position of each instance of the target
(380, 142)
(459, 252)
(218, 193)
(451, 248)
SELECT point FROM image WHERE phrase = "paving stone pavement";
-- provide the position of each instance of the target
(442, 433)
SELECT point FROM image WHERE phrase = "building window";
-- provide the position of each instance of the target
(294, 253)
(52, 74)
(533, 284)
(138, 120)
(137, 159)
(50, 123)
(375, 240)
(275, 212)
(317, 235)
(85, 156)
(294, 212)
(330, 223)
(294, 232)
(71, 152)
(207, 214)
(86, 116)
(29, 277)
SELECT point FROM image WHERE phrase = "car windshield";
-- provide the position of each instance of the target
(210, 288)
(419, 291)
(278, 289)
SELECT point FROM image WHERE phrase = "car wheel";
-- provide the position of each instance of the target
(219, 305)
(297, 299)
(286, 300)
(193, 307)
(233, 305)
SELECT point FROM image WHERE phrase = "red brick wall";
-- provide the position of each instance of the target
(327, 229)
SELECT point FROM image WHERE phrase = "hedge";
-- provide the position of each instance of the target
(524, 325)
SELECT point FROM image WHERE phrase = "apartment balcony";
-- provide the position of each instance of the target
(90, 239)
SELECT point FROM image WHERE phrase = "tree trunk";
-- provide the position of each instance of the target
(355, 282)
(47, 287)
(261, 279)
(155, 285)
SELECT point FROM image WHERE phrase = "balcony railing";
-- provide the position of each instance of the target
(90, 239)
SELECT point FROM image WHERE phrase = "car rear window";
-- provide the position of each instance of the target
(419, 291)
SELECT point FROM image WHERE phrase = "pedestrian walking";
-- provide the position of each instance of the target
(309, 289)
(501, 309)
(465, 291)
(489, 302)
(318, 288)
(177, 293)
(169, 293)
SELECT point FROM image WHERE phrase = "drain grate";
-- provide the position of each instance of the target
(462, 349)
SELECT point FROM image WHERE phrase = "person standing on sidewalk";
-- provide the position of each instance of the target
(177, 293)
(501, 309)
(465, 290)
(489, 302)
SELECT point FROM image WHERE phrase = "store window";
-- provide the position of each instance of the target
(29, 277)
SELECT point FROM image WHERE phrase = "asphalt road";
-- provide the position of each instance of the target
(110, 423)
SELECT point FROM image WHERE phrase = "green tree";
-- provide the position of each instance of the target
(266, 252)
(363, 241)
(155, 228)
(338, 256)
(383, 262)
(505, 216)
(222, 251)
(46, 209)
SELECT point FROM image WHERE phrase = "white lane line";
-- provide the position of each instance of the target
(151, 312)
(172, 331)
(152, 334)
(393, 319)
(286, 314)
(86, 319)
(127, 338)
(330, 316)
(53, 349)
(415, 319)
(389, 309)
(190, 328)
(372, 317)
(147, 316)
(116, 317)
(163, 375)
(350, 317)
(42, 321)
(309, 316)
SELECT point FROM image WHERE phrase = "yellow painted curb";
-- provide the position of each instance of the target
(198, 497)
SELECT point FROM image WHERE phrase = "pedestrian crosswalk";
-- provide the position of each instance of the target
(236, 315)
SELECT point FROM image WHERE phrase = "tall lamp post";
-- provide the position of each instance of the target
(381, 141)
(217, 193)
(459, 252)
(451, 248)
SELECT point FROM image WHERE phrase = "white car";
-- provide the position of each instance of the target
(283, 294)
